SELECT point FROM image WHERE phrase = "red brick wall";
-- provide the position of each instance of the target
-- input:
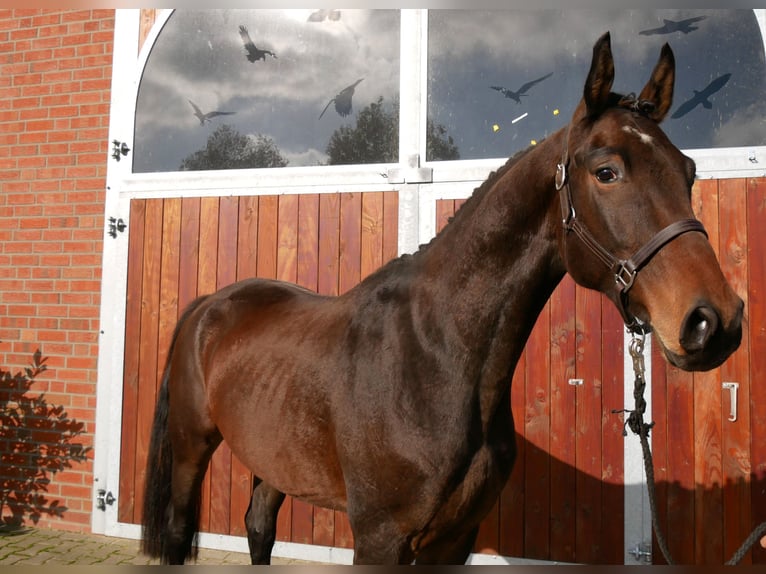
(55, 76)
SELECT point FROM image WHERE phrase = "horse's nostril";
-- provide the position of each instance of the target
(700, 325)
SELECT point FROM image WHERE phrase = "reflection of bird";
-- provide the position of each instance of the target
(522, 91)
(701, 97)
(206, 117)
(671, 26)
(253, 54)
(324, 14)
(342, 100)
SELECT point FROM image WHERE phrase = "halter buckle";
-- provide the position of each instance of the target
(625, 274)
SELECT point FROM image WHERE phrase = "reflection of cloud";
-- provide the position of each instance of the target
(305, 157)
(500, 35)
(746, 125)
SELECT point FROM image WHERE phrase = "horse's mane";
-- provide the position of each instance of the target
(478, 194)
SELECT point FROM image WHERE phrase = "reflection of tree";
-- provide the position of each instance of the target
(228, 149)
(375, 138)
(36, 440)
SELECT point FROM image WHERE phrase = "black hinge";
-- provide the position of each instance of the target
(103, 498)
(119, 149)
(115, 226)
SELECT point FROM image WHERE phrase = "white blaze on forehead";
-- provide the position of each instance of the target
(647, 139)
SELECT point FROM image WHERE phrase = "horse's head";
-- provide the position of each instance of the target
(629, 230)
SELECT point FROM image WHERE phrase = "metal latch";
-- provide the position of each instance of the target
(103, 498)
(642, 553)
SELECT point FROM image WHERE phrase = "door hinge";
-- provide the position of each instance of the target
(115, 226)
(119, 149)
(103, 498)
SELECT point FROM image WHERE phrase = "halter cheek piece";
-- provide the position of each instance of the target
(624, 270)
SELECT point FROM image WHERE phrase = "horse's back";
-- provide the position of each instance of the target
(267, 382)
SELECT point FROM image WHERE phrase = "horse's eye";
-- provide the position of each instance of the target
(606, 175)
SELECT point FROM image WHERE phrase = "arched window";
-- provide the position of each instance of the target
(227, 89)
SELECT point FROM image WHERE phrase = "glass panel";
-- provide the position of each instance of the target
(500, 80)
(229, 89)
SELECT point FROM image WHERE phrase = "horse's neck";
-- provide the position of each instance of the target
(493, 268)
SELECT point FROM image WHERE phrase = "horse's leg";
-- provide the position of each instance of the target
(449, 551)
(379, 541)
(190, 462)
(261, 521)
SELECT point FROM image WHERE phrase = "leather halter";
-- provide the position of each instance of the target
(624, 270)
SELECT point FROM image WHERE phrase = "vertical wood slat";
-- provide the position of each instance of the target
(128, 463)
(148, 346)
(563, 412)
(755, 328)
(708, 473)
(247, 266)
(536, 423)
(612, 440)
(220, 470)
(588, 426)
(206, 284)
(736, 461)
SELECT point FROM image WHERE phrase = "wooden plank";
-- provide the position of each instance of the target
(287, 270)
(708, 473)
(207, 283)
(612, 441)
(680, 464)
(247, 241)
(329, 244)
(537, 432)
(169, 281)
(287, 238)
(589, 548)
(327, 284)
(390, 226)
(660, 444)
(349, 275)
(221, 476)
(268, 209)
(126, 509)
(350, 240)
(563, 420)
(147, 368)
(511, 505)
(189, 251)
(755, 328)
(247, 261)
(307, 249)
(371, 241)
(736, 462)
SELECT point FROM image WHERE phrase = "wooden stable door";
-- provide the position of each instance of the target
(182, 248)
(565, 498)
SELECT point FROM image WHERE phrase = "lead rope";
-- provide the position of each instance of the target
(635, 422)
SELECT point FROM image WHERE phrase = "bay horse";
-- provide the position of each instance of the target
(391, 402)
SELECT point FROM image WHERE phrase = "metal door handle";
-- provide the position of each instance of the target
(732, 387)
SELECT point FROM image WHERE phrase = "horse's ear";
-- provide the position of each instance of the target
(659, 88)
(600, 78)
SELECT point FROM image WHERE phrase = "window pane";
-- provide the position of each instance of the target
(479, 61)
(229, 89)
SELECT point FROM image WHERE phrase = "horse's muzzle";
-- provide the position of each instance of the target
(706, 339)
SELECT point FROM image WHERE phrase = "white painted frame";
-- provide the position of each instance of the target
(417, 225)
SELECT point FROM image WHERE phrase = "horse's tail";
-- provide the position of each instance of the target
(159, 464)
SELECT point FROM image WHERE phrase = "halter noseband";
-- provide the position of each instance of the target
(624, 270)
